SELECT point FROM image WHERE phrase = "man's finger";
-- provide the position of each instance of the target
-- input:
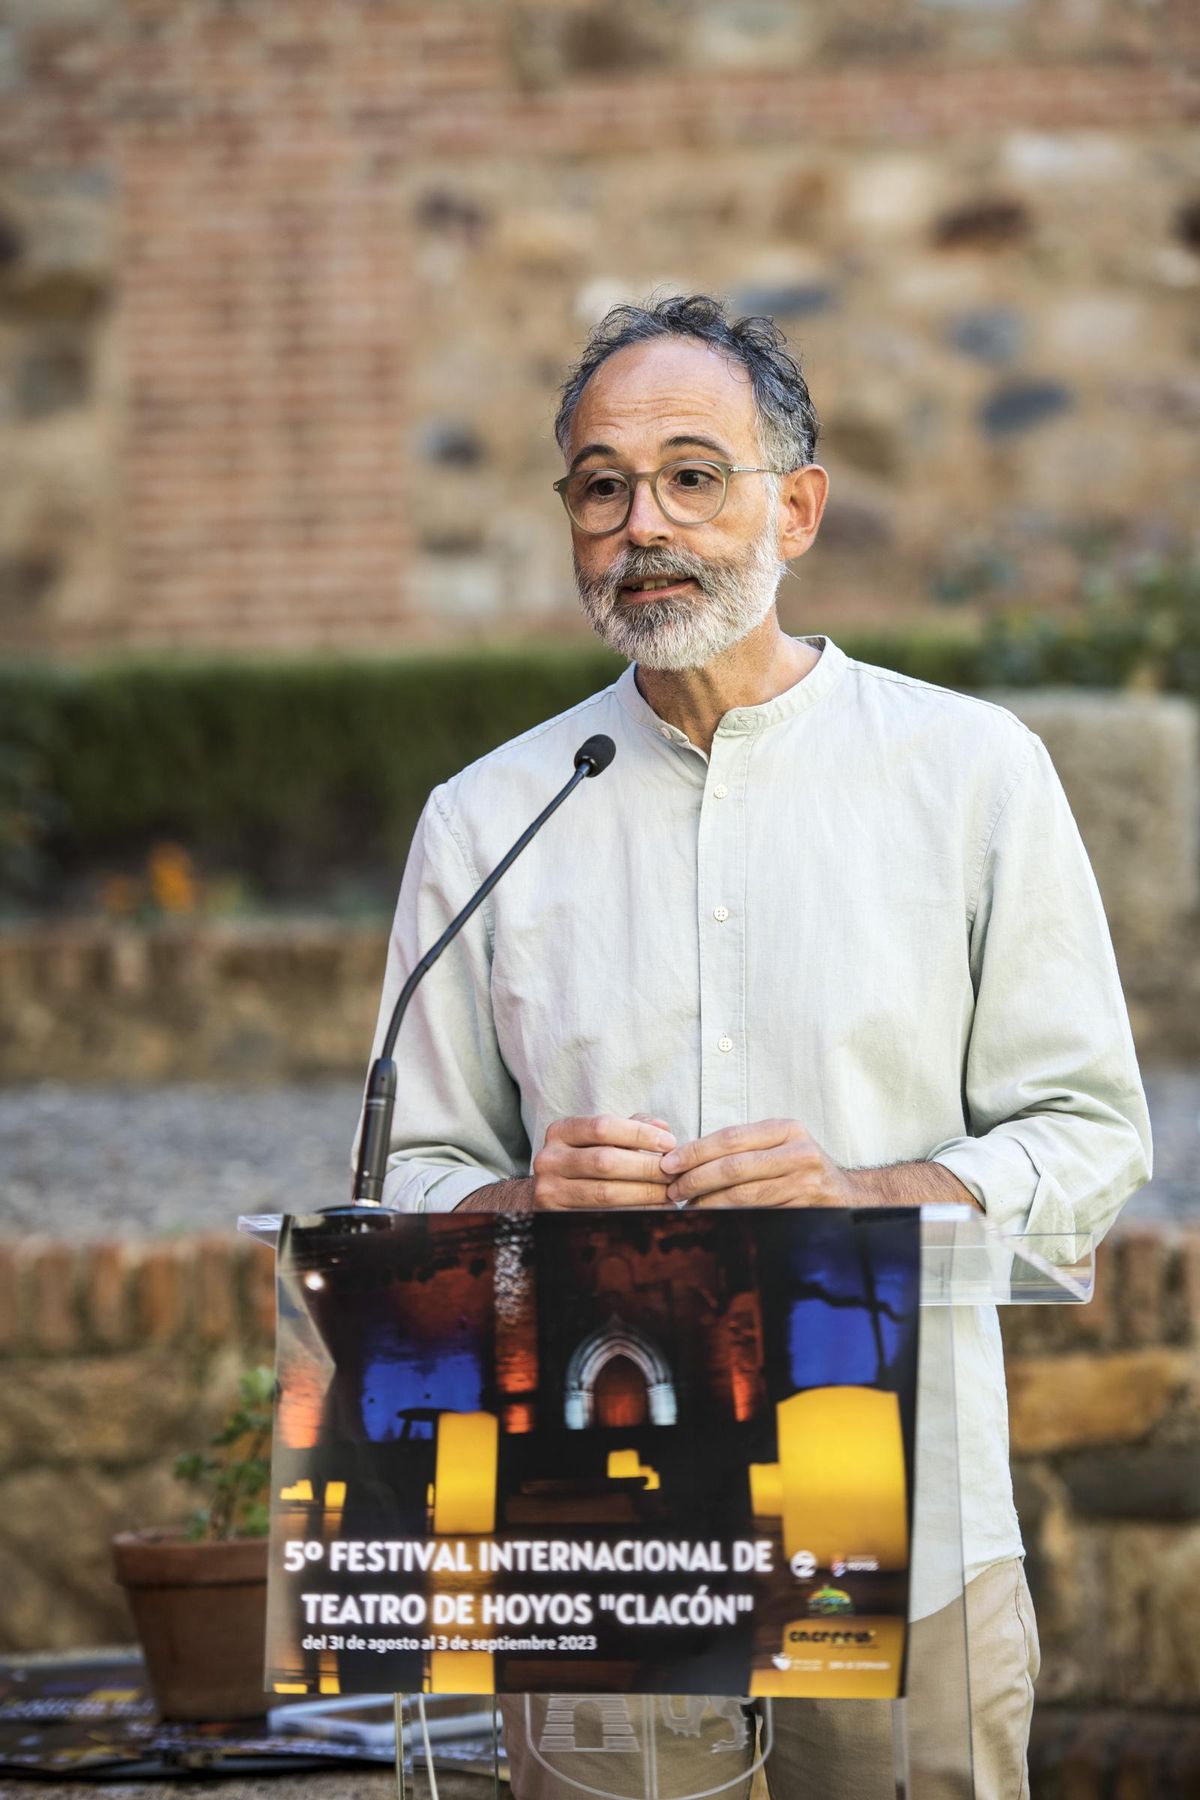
(604, 1163)
(621, 1134)
(726, 1172)
(766, 1134)
(649, 1119)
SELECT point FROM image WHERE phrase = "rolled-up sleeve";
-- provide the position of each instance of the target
(457, 1124)
(1060, 1135)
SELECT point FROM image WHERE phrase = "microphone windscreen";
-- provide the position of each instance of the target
(597, 753)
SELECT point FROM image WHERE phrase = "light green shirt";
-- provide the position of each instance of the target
(867, 909)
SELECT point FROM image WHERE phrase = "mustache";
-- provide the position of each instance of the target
(636, 565)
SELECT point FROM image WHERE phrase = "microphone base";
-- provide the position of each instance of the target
(361, 1215)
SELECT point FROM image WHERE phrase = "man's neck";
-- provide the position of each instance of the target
(759, 666)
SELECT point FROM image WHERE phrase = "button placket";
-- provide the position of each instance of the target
(720, 876)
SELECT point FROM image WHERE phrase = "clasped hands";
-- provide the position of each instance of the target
(607, 1161)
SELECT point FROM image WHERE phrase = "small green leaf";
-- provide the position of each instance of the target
(256, 1520)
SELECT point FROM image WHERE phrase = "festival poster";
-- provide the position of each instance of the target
(628, 1452)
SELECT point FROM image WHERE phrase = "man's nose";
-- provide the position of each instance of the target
(647, 522)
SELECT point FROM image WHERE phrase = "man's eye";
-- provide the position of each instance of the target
(695, 478)
(603, 487)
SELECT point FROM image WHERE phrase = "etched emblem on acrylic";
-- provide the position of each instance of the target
(645, 1747)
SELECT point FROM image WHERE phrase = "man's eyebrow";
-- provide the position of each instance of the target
(592, 450)
(678, 442)
(692, 437)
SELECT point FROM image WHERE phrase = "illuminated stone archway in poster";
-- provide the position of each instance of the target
(617, 1339)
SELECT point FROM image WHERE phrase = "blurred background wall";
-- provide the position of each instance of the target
(285, 293)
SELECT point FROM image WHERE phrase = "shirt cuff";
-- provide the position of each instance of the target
(416, 1187)
(998, 1171)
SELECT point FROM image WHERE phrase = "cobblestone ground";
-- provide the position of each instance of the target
(109, 1162)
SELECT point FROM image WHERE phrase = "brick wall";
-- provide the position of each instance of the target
(114, 1357)
(285, 293)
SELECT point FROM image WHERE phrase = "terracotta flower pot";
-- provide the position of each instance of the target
(201, 1614)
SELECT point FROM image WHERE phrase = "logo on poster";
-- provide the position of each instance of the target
(804, 1565)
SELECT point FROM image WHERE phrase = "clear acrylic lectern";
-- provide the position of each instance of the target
(671, 1747)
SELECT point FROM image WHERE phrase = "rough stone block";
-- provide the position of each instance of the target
(63, 1592)
(107, 1294)
(1189, 1283)
(1019, 405)
(1140, 1279)
(109, 1410)
(1129, 764)
(10, 1297)
(1070, 1402)
(162, 1293)
(1113, 1754)
(51, 1278)
(1150, 1650)
(215, 1290)
(1159, 1482)
(258, 1266)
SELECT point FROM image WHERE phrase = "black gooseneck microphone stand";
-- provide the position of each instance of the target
(592, 758)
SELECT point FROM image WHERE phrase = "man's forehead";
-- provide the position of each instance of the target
(661, 388)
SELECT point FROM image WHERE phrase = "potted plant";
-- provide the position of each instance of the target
(199, 1596)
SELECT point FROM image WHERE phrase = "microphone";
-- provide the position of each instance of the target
(594, 756)
(591, 758)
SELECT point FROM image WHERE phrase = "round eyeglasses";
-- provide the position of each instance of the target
(600, 501)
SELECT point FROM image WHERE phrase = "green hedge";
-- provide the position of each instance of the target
(286, 771)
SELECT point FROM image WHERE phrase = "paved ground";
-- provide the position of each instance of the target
(106, 1161)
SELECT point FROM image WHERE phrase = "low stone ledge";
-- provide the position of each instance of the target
(62, 1300)
(258, 1000)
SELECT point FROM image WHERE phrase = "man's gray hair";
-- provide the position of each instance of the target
(787, 419)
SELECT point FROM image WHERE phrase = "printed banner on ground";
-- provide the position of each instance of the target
(599, 1453)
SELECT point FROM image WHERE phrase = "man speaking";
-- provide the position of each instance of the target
(823, 936)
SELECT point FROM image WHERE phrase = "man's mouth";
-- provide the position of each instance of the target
(655, 585)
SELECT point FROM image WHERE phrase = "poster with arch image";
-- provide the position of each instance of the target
(637, 1453)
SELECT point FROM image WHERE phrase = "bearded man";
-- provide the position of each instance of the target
(825, 936)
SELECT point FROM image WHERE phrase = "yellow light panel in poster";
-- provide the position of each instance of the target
(464, 1483)
(841, 1460)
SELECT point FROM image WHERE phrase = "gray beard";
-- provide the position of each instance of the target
(682, 633)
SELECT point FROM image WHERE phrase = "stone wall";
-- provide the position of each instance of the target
(117, 1356)
(285, 292)
(114, 1359)
(1105, 1420)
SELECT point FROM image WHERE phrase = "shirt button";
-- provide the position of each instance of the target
(720, 914)
(664, 731)
(720, 791)
(725, 1043)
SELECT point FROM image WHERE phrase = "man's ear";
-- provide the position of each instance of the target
(802, 497)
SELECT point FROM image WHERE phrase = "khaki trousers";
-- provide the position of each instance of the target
(840, 1749)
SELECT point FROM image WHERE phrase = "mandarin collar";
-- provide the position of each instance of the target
(743, 721)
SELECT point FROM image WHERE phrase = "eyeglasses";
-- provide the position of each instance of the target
(600, 501)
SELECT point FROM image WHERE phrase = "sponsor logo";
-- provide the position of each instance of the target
(812, 1634)
(804, 1565)
(830, 1600)
(853, 1565)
